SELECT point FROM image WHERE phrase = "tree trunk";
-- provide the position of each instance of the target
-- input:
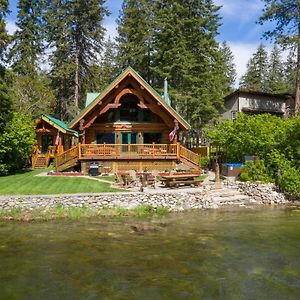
(76, 95)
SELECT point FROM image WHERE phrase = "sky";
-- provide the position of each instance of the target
(239, 26)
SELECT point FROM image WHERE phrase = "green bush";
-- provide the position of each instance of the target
(16, 144)
(204, 161)
(276, 141)
(255, 171)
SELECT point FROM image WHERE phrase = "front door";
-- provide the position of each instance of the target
(129, 138)
(47, 140)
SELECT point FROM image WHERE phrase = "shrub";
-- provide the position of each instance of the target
(16, 144)
(255, 171)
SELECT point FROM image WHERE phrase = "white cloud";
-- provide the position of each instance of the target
(242, 10)
(11, 27)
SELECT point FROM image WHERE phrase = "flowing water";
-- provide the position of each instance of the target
(232, 254)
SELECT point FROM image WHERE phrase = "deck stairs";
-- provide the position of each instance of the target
(40, 162)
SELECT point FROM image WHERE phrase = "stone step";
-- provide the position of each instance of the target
(225, 193)
(236, 198)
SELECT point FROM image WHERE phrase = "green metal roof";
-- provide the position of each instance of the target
(113, 82)
(57, 122)
(90, 97)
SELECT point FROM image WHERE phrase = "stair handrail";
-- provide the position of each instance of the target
(34, 156)
(70, 154)
(189, 155)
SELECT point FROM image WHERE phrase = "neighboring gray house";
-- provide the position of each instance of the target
(255, 102)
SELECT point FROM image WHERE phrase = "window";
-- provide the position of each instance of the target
(107, 138)
(233, 115)
(47, 140)
(129, 109)
(152, 137)
(129, 138)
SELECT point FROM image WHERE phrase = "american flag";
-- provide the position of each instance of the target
(57, 139)
(172, 134)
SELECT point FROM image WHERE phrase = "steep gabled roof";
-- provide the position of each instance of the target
(59, 125)
(142, 81)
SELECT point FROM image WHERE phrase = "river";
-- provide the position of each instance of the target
(215, 254)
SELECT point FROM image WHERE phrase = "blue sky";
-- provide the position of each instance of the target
(238, 28)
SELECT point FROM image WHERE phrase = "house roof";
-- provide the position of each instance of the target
(115, 82)
(258, 93)
(90, 97)
(59, 125)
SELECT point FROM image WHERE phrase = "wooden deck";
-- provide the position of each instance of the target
(126, 152)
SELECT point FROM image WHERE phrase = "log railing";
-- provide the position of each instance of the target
(68, 158)
(51, 151)
(34, 156)
(127, 151)
(189, 155)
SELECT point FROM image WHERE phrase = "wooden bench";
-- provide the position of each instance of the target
(176, 183)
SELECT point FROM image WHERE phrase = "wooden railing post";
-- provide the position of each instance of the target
(178, 151)
(79, 151)
(153, 150)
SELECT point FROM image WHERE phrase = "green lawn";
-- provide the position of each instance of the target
(27, 183)
(108, 178)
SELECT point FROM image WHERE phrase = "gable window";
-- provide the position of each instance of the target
(129, 109)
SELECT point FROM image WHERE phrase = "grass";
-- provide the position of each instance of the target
(76, 213)
(108, 178)
(27, 183)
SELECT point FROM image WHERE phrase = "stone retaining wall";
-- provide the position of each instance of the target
(172, 201)
(266, 193)
(206, 197)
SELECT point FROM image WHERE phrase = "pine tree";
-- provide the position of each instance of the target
(106, 70)
(74, 29)
(135, 39)
(230, 71)
(275, 77)
(285, 15)
(185, 51)
(290, 72)
(6, 106)
(33, 95)
(256, 74)
(171, 57)
(209, 80)
(27, 42)
(3, 34)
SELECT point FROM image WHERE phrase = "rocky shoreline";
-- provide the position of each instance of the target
(205, 197)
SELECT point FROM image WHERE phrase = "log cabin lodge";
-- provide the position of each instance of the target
(128, 126)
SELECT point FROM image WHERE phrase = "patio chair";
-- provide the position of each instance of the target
(132, 178)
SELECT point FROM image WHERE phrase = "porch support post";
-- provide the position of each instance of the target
(178, 151)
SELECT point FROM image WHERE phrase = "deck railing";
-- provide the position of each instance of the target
(67, 158)
(125, 151)
(34, 156)
(189, 155)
